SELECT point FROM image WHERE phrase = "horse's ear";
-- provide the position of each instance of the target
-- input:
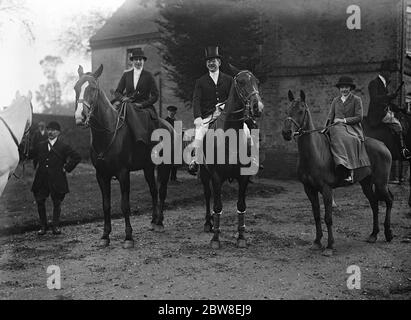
(98, 72)
(290, 95)
(233, 69)
(302, 95)
(80, 71)
(30, 95)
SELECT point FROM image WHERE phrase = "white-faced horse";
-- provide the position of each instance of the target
(15, 121)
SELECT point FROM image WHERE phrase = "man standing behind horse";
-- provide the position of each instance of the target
(138, 88)
(39, 136)
(380, 106)
(210, 92)
(55, 158)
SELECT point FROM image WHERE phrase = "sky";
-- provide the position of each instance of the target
(20, 56)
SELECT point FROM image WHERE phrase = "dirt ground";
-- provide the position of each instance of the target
(179, 263)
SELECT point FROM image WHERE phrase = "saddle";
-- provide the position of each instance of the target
(141, 121)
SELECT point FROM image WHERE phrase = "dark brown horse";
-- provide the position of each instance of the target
(383, 133)
(317, 173)
(243, 103)
(115, 154)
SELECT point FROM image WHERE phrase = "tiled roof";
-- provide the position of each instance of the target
(131, 20)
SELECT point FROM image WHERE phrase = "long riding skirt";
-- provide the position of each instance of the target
(348, 147)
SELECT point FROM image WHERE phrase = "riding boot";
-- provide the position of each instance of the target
(41, 208)
(405, 153)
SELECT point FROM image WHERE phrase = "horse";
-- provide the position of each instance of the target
(115, 154)
(383, 133)
(317, 173)
(243, 101)
(15, 123)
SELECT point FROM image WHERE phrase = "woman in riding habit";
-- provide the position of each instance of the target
(347, 137)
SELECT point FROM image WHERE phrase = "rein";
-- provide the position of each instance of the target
(120, 118)
(300, 131)
(246, 99)
(25, 147)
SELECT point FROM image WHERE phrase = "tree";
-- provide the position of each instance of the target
(49, 94)
(15, 11)
(80, 28)
(188, 26)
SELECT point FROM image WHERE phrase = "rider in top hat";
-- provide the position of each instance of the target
(347, 137)
(211, 91)
(381, 108)
(138, 86)
(55, 158)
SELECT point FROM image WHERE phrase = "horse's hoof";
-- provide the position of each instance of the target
(158, 228)
(241, 243)
(215, 244)
(372, 239)
(388, 236)
(327, 252)
(128, 244)
(208, 228)
(104, 243)
(316, 247)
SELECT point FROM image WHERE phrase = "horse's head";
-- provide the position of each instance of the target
(246, 85)
(87, 91)
(296, 115)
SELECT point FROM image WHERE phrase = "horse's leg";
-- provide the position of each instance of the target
(163, 177)
(387, 197)
(312, 195)
(241, 209)
(218, 209)
(205, 179)
(104, 182)
(328, 207)
(366, 185)
(124, 180)
(156, 225)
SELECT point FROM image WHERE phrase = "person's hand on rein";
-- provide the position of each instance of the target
(339, 120)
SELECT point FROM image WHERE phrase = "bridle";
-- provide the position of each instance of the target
(246, 99)
(299, 127)
(90, 111)
(90, 106)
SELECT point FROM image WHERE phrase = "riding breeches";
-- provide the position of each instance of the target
(201, 131)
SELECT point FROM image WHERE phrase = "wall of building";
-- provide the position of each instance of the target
(309, 46)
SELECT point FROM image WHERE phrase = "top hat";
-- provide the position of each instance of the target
(346, 81)
(388, 65)
(172, 108)
(137, 53)
(212, 52)
(54, 125)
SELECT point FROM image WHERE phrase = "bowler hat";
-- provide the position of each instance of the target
(137, 53)
(172, 108)
(346, 81)
(54, 125)
(388, 65)
(212, 52)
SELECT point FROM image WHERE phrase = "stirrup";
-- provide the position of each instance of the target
(406, 153)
